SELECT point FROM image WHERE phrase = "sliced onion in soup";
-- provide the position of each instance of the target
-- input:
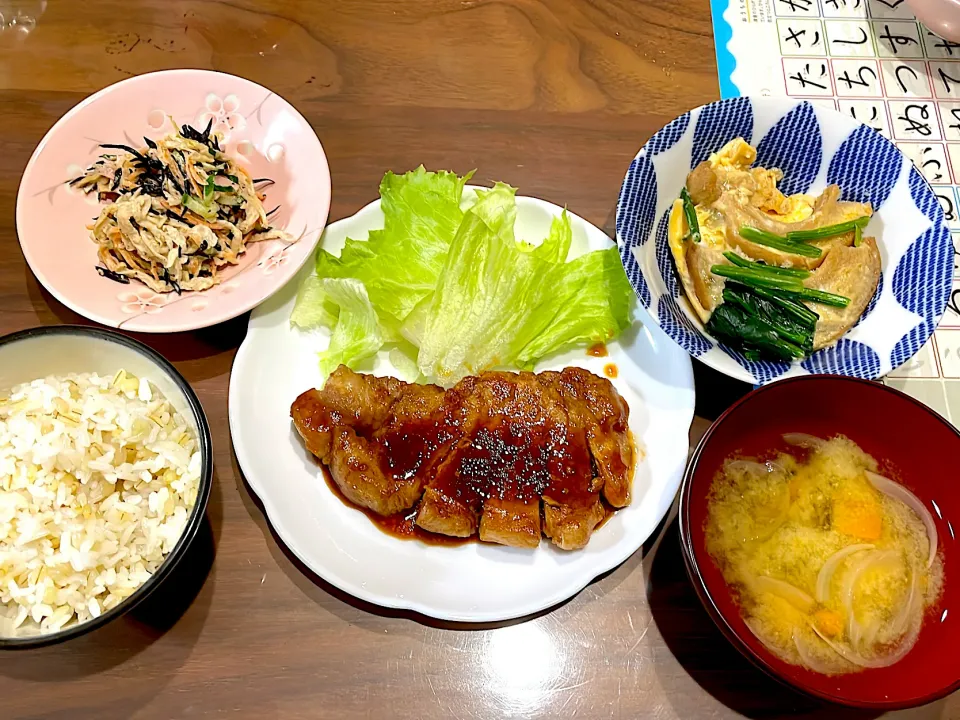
(810, 659)
(804, 440)
(899, 623)
(898, 652)
(792, 594)
(874, 662)
(825, 576)
(850, 580)
(899, 492)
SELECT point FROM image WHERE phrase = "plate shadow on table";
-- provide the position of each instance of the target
(222, 339)
(709, 658)
(119, 641)
(716, 392)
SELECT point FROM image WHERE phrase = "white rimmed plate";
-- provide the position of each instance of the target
(473, 582)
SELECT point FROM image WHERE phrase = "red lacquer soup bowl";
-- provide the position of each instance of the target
(901, 433)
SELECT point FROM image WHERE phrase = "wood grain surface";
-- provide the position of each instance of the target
(553, 96)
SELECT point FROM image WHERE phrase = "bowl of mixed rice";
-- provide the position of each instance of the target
(105, 473)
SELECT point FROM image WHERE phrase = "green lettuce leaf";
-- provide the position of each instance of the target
(313, 309)
(591, 301)
(403, 358)
(488, 281)
(456, 290)
(399, 264)
(356, 335)
(501, 303)
(557, 245)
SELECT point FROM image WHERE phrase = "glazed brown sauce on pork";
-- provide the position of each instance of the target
(410, 450)
(408, 447)
(559, 438)
(402, 525)
(514, 461)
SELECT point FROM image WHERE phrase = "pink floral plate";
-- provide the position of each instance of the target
(261, 129)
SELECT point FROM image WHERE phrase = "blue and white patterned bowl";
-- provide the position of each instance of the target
(814, 147)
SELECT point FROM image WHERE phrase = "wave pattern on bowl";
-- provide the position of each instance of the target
(866, 167)
(814, 147)
(794, 145)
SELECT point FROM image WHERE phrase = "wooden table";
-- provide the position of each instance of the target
(553, 96)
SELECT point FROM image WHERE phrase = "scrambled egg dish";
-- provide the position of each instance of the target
(728, 194)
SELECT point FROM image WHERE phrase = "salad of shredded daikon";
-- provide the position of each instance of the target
(178, 210)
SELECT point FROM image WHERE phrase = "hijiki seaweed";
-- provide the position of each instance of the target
(178, 210)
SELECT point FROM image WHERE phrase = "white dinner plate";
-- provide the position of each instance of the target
(474, 582)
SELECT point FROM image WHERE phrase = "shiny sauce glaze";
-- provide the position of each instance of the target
(414, 447)
(402, 525)
(514, 461)
(597, 350)
(507, 460)
(518, 453)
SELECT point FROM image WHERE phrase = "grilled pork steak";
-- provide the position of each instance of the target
(480, 457)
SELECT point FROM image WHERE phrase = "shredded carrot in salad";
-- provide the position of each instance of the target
(178, 210)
